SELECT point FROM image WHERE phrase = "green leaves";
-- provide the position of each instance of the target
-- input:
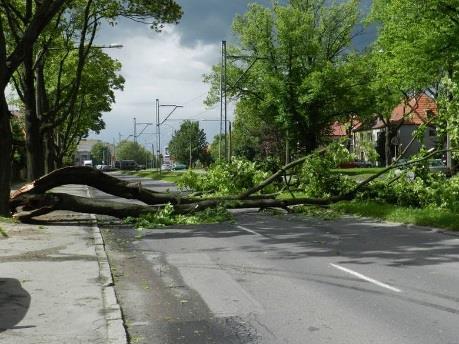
(128, 150)
(188, 144)
(304, 75)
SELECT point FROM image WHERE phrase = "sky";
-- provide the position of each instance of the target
(169, 66)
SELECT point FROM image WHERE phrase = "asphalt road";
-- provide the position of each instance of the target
(286, 279)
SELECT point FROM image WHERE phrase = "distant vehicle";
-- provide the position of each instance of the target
(438, 166)
(356, 164)
(126, 165)
(178, 167)
(87, 163)
(166, 167)
(104, 167)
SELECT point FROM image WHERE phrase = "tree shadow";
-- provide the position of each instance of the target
(14, 303)
(355, 240)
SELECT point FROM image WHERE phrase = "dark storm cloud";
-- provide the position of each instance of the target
(209, 21)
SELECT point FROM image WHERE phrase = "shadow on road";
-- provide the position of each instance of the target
(14, 303)
(357, 241)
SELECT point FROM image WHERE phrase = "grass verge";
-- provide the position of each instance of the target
(358, 171)
(168, 176)
(3, 233)
(431, 217)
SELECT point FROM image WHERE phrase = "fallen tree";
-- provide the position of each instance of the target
(34, 199)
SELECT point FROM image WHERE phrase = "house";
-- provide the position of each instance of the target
(404, 120)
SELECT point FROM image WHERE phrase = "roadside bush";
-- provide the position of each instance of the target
(316, 176)
(224, 178)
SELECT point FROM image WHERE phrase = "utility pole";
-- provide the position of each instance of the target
(226, 99)
(230, 148)
(158, 124)
(221, 105)
(135, 130)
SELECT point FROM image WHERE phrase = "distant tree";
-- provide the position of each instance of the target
(217, 147)
(188, 144)
(100, 154)
(128, 150)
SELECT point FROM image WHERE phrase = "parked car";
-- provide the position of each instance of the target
(438, 166)
(355, 164)
(178, 167)
(126, 165)
(166, 167)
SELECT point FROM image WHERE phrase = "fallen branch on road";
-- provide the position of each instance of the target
(34, 199)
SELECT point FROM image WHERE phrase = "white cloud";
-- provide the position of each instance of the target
(159, 66)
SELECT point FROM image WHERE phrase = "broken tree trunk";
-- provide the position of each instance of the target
(34, 199)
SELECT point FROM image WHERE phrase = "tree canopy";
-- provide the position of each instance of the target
(188, 144)
(128, 150)
(302, 71)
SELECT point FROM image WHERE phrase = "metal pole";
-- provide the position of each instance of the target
(230, 152)
(225, 99)
(221, 106)
(158, 136)
(135, 130)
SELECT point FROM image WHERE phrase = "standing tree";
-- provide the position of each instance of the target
(128, 150)
(100, 154)
(417, 49)
(188, 144)
(21, 25)
(301, 73)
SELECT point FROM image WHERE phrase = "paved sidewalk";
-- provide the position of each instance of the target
(55, 282)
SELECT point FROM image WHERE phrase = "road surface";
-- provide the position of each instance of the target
(286, 279)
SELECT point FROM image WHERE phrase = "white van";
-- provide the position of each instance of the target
(87, 163)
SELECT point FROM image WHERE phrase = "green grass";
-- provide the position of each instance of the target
(7, 219)
(168, 176)
(3, 233)
(440, 218)
(358, 171)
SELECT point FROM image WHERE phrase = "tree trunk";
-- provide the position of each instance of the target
(34, 143)
(6, 139)
(387, 146)
(34, 200)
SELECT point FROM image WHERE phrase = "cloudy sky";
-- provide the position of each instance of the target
(168, 66)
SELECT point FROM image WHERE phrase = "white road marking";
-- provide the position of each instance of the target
(248, 230)
(365, 278)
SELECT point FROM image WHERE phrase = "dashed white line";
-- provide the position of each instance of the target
(365, 278)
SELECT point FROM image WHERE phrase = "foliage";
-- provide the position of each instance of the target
(225, 178)
(166, 217)
(188, 144)
(440, 218)
(100, 153)
(317, 178)
(128, 150)
(217, 147)
(305, 77)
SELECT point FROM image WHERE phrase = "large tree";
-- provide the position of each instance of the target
(21, 25)
(417, 49)
(302, 72)
(188, 144)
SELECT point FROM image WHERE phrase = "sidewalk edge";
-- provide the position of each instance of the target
(116, 332)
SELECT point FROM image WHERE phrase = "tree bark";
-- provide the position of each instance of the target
(33, 199)
(6, 139)
(34, 143)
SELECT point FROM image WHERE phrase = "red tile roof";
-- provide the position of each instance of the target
(416, 112)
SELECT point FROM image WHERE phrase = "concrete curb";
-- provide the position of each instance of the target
(116, 332)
